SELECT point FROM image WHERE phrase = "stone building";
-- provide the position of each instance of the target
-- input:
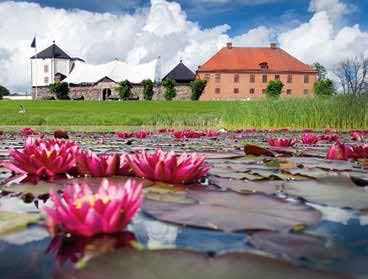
(244, 72)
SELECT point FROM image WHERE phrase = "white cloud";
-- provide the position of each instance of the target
(161, 29)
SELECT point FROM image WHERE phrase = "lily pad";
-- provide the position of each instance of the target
(181, 264)
(36, 190)
(10, 221)
(336, 191)
(293, 245)
(230, 211)
(256, 150)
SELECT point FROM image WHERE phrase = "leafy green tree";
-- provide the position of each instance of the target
(147, 89)
(125, 89)
(274, 88)
(197, 86)
(170, 90)
(60, 90)
(3, 91)
(321, 71)
(324, 88)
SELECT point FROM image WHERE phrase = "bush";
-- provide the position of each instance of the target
(274, 88)
(324, 88)
(147, 89)
(3, 91)
(60, 90)
(170, 90)
(125, 89)
(197, 86)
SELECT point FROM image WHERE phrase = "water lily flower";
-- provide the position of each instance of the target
(308, 130)
(250, 130)
(80, 211)
(167, 167)
(211, 133)
(282, 142)
(141, 134)
(334, 137)
(356, 136)
(125, 168)
(309, 139)
(124, 135)
(359, 151)
(338, 151)
(188, 134)
(165, 130)
(27, 131)
(284, 130)
(101, 165)
(43, 157)
(270, 131)
(1, 132)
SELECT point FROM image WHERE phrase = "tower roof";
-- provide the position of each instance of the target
(181, 73)
(52, 51)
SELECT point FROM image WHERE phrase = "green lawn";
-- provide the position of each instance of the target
(339, 112)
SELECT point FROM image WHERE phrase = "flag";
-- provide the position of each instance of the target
(33, 45)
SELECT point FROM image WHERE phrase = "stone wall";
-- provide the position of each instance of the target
(94, 92)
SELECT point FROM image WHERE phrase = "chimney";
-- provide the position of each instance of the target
(273, 45)
(229, 45)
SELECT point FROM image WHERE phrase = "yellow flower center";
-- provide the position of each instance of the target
(92, 200)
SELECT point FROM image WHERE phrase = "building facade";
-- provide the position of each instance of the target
(244, 72)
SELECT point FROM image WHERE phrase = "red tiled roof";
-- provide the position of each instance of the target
(249, 58)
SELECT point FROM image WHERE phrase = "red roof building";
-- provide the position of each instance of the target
(243, 73)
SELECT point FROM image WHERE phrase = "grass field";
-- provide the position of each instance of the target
(339, 113)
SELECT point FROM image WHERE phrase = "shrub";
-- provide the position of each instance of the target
(60, 90)
(274, 88)
(125, 89)
(170, 90)
(324, 88)
(147, 89)
(197, 86)
(3, 91)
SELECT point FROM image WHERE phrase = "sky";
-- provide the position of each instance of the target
(326, 31)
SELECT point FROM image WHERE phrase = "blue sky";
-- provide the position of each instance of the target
(241, 15)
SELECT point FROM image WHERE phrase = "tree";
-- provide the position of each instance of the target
(147, 89)
(274, 88)
(125, 89)
(170, 90)
(352, 73)
(4, 91)
(197, 86)
(324, 88)
(320, 69)
(60, 90)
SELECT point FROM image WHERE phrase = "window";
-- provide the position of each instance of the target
(251, 91)
(45, 68)
(236, 78)
(236, 90)
(207, 77)
(264, 78)
(217, 90)
(277, 77)
(252, 78)
(289, 91)
(46, 80)
(306, 79)
(218, 78)
(263, 91)
(290, 79)
(263, 66)
(306, 91)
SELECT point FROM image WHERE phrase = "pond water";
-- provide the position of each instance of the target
(296, 215)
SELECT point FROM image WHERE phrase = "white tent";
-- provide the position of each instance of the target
(115, 70)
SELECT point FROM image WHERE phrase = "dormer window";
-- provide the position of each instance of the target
(263, 66)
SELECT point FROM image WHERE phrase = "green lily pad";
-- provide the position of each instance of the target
(181, 264)
(336, 191)
(36, 190)
(230, 211)
(10, 221)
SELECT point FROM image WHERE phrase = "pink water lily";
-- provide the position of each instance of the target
(356, 136)
(1, 132)
(308, 130)
(326, 137)
(188, 134)
(282, 142)
(125, 168)
(141, 134)
(309, 139)
(101, 165)
(211, 133)
(124, 135)
(359, 151)
(27, 131)
(167, 167)
(80, 211)
(165, 130)
(338, 151)
(43, 157)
